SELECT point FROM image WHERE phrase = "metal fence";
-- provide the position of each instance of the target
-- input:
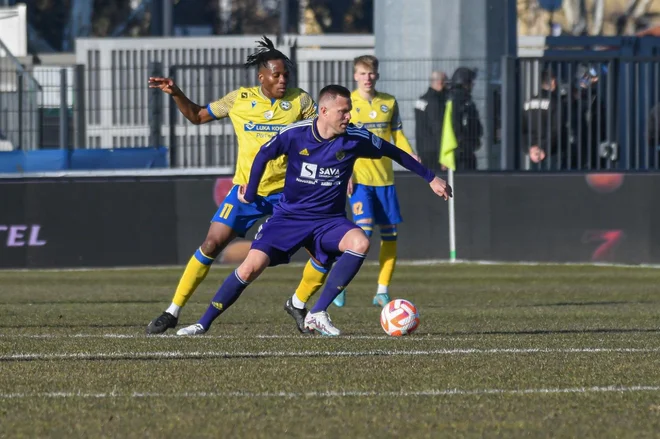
(212, 144)
(605, 108)
(592, 114)
(119, 105)
(20, 113)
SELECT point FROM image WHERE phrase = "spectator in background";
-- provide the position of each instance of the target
(544, 123)
(588, 127)
(465, 121)
(429, 112)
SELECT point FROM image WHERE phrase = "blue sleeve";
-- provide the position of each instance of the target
(270, 150)
(386, 149)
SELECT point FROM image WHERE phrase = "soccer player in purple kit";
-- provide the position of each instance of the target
(312, 211)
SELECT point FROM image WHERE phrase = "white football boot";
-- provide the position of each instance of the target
(320, 321)
(195, 329)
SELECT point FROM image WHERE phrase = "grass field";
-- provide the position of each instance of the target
(502, 351)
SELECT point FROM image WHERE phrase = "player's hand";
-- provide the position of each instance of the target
(241, 194)
(536, 154)
(441, 188)
(416, 157)
(349, 188)
(166, 85)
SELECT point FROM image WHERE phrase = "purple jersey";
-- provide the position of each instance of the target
(318, 169)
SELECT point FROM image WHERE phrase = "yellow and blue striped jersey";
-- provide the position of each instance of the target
(256, 119)
(381, 117)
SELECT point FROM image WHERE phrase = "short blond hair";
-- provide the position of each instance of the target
(368, 61)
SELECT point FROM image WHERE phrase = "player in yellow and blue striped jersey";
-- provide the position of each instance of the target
(257, 114)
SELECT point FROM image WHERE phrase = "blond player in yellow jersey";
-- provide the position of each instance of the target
(372, 194)
(257, 114)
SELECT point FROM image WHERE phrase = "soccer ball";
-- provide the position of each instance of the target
(399, 317)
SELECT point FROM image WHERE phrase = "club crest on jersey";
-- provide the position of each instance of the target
(244, 95)
(254, 104)
(268, 115)
(384, 108)
(340, 155)
(285, 105)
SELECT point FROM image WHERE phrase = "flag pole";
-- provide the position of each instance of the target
(452, 218)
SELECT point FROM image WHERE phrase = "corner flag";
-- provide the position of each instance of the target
(448, 143)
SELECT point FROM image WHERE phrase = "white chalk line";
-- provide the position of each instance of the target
(234, 337)
(311, 354)
(337, 394)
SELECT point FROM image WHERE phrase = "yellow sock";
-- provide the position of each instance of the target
(387, 262)
(313, 277)
(196, 270)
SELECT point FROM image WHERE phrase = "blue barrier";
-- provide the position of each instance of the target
(45, 160)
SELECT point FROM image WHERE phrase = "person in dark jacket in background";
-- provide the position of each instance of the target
(465, 119)
(544, 123)
(429, 113)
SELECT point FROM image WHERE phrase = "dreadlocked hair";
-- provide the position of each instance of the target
(266, 51)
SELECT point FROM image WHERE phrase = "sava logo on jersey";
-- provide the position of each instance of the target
(311, 173)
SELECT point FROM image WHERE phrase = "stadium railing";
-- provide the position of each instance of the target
(103, 102)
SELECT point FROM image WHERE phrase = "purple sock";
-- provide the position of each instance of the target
(341, 275)
(227, 294)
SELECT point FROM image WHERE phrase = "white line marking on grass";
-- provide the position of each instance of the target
(234, 337)
(337, 394)
(309, 354)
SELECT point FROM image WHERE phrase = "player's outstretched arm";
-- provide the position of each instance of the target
(193, 112)
(439, 186)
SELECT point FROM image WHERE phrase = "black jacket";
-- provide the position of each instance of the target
(466, 122)
(429, 115)
(545, 123)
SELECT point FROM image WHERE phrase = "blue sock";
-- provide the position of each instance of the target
(341, 275)
(227, 294)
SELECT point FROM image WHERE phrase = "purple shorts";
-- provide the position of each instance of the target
(280, 237)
